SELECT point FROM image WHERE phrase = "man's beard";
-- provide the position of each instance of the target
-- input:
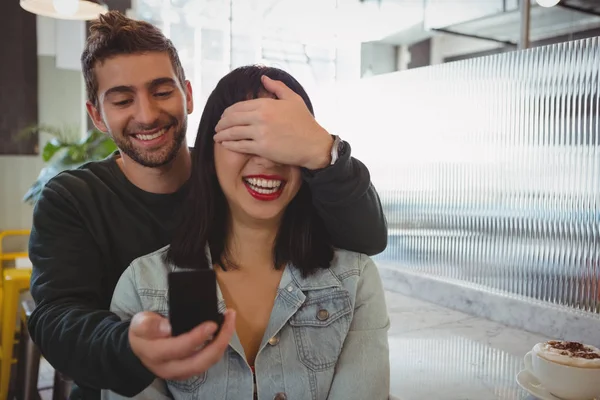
(154, 159)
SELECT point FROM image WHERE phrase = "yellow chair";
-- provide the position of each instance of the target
(14, 255)
(14, 280)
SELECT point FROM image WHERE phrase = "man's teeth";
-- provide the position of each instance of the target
(264, 186)
(153, 136)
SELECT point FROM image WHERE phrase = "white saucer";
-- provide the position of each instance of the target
(527, 381)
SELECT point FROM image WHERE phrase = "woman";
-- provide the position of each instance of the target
(311, 321)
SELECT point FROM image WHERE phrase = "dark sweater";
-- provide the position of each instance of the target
(88, 226)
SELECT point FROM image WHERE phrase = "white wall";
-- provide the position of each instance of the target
(62, 39)
(378, 58)
(61, 102)
(446, 45)
(384, 58)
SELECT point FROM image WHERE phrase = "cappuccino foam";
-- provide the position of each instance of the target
(572, 354)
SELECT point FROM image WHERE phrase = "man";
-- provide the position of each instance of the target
(92, 222)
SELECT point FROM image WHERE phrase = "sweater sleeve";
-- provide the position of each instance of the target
(349, 205)
(71, 323)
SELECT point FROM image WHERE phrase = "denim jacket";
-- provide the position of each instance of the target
(326, 337)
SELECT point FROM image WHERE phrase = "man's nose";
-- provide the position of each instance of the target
(147, 110)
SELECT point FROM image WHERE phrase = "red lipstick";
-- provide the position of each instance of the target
(253, 189)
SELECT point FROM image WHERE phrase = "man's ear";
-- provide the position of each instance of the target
(96, 117)
(189, 98)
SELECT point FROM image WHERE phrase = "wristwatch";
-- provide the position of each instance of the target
(338, 149)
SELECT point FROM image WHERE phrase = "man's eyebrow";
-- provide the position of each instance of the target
(119, 89)
(161, 81)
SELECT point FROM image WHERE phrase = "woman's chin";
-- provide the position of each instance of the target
(264, 215)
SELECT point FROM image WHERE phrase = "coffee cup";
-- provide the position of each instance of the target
(568, 370)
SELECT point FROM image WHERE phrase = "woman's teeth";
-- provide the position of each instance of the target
(152, 136)
(264, 186)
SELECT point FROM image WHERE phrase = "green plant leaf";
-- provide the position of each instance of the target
(66, 134)
(50, 149)
(77, 153)
(94, 146)
(104, 149)
(93, 135)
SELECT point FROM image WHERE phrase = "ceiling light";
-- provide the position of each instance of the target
(66, 7)
(82, 10)
(547, 3)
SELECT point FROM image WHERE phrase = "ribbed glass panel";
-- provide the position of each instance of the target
(488, 168)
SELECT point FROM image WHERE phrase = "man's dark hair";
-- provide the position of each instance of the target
(114, 34)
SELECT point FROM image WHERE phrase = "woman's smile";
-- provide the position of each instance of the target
(264, 187)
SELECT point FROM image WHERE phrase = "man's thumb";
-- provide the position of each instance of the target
(278, 88)
(149, 325)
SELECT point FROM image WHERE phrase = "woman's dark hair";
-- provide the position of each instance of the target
(302, 239)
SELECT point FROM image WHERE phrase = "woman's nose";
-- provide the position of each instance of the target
(265, 163)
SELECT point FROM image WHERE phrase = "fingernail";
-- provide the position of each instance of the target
(210, 328)
(164, 327)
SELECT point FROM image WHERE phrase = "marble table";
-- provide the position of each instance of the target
(438, 353)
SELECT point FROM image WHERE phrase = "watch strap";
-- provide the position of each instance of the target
(336, 149)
